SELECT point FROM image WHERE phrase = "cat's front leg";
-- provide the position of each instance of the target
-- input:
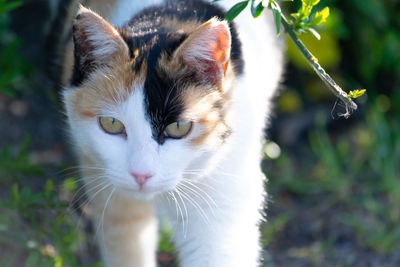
(126, 231)
(220, 235)
(220, 219)
(219, 244)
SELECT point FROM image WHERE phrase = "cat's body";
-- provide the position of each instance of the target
(173, 63)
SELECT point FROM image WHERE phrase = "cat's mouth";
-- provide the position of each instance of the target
(146, 191)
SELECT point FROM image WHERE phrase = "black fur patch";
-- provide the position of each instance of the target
(163, 104)
(84, 63)
(81, 69)
(146, 33)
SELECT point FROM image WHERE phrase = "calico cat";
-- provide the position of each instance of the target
(166, 107)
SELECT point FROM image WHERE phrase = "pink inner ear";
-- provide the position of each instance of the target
(208, 48)
(221, 47)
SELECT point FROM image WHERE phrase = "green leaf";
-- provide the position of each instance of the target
(15, 198)
(277, 18)
(23, 147)
(6, 7)
(320, 17)
(58, 261)
(314, 32)
(305, 9)
(69, 184)
(49, 186)
(356, 93)
(310, 3)
(276, 11)
(314, 2)
(256, 10)
(235, 11)
(49, 191)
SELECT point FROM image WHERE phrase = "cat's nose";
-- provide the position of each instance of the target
(141, 178)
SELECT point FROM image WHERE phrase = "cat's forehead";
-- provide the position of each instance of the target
(150, 45)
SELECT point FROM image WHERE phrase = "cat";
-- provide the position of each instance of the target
(166, 107)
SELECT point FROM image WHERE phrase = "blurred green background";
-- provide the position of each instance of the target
(334, 184)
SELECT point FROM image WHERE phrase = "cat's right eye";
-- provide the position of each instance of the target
(111, 125)
(178, 129)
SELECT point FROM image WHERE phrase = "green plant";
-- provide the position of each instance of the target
(34, 222)
(354, 175)
(303, 20)
(13, 68)
(14, 165)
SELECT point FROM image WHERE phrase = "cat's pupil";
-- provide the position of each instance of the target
(112, 120)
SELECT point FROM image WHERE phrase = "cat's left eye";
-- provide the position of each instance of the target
(178, 129)
(111, 125)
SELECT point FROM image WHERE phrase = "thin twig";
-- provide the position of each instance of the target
(332, 85)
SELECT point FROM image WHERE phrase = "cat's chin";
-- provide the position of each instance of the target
(136, 195)
(147, 194)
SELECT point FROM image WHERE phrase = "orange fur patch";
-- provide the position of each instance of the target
(208, 109)
(103, 89)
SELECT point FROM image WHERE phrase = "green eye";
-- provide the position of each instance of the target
(111, 125)
(178, 129)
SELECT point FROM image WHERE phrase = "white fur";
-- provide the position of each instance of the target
(216, 221)
(99, 39)
(104, 47)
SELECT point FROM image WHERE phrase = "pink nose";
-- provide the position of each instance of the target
(141, 178)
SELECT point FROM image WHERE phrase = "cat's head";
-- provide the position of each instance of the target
(148, 110)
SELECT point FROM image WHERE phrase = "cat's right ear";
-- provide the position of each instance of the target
(96, 43)
(207, 50)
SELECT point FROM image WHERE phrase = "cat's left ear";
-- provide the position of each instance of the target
(207, 49)
(96, 43)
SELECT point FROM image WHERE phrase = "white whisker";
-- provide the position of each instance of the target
(180, 211)
(195, 189)
(101, 222)
(195, 205)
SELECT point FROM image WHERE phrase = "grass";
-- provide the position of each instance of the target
(34, 220)
(14, 68)
(354, 177)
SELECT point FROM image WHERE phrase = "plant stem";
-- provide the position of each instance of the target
(332, 85)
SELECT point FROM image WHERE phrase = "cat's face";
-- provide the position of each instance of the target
(148, 111)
